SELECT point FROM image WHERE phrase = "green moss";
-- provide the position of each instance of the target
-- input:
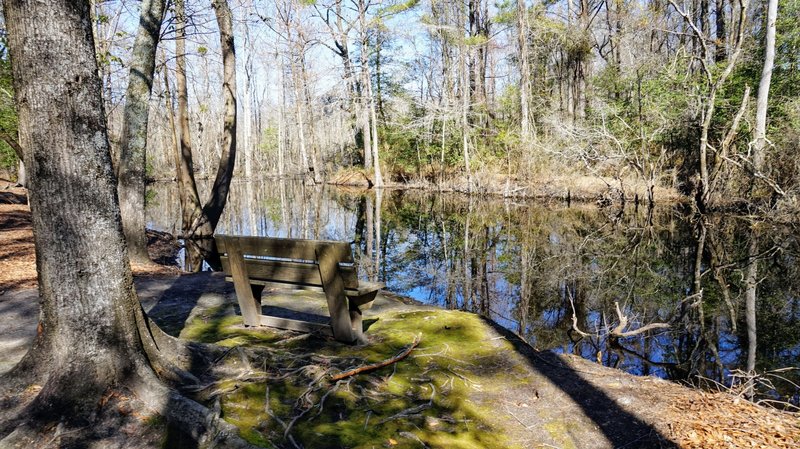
(560, 431)
(425, 397)
(216, 325)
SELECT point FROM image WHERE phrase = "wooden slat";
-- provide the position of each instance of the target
(298, 249)
(365, 287)
(292, 272)
(295, 325)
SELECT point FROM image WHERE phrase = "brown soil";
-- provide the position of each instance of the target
(18, 256)
(603, 191)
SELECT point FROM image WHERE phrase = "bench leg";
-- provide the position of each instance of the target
(249, 304)
(357, 305)
(357, 321)
(333, 285)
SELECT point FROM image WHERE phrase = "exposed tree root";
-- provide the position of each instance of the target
(366, 368)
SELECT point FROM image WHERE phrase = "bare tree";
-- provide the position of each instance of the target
(133, 144)
(763, 88)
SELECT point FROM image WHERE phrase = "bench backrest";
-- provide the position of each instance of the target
(293, 261)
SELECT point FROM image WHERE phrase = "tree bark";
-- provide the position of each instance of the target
(299, 118)
(465, 108)
(190, 199)
(22, 174)
(376, 161)
(88, 339)
(524, 70)
(763, 89)
(366, 132)
(721, 41)
(133, 144)
(212, 210)
(751, 284)
(281, 118)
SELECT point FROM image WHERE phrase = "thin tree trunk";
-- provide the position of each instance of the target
(192, 207)
(307, 106)
(763, 89)
(281, 123)
(133, 144)
(465, 106)
(374, 119)
(212, 210)
(298, 115)
(174, 135)
(721, 40)
(751, 284)
(366, 131)
(524, 69)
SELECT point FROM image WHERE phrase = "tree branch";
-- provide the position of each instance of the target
(362, 369)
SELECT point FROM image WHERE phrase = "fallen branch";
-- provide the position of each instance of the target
(366, 368)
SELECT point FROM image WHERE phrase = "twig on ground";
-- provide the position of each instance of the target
(366, 421)
(362, 369)
(518, 420)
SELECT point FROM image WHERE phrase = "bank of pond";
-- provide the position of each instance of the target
(564, 277)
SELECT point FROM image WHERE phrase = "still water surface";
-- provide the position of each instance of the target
(555, 274)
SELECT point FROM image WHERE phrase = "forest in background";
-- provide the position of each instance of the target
(79, 207)
(476, 96)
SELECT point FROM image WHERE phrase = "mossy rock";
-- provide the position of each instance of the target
(428, 397)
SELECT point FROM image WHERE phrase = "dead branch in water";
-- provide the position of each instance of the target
(620, 332)
(366, 368)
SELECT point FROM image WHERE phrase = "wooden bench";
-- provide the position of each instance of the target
(251, 263)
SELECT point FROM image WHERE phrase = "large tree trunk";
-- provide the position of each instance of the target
(133, 144)
(88, 340)
(763, 89)
(199, 223)
(81, 257)
(92, 337)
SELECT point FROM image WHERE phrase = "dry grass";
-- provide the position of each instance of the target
(722, 421)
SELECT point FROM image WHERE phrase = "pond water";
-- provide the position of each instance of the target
(555, 274)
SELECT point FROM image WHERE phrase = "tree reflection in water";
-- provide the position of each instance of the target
(719, 281)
